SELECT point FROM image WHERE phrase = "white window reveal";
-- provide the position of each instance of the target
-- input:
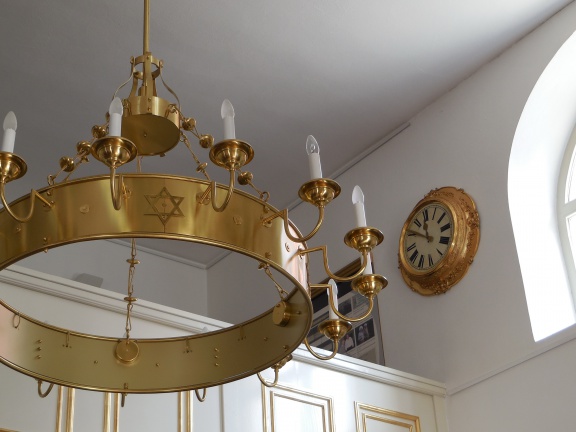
(534, 171)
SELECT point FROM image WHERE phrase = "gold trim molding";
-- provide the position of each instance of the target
(365, 412)
(325, 403)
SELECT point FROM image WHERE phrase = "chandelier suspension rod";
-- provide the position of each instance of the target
(146, 26)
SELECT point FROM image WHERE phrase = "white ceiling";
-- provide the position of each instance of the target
(347, 71)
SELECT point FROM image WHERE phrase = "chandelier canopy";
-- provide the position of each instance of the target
(164, 206)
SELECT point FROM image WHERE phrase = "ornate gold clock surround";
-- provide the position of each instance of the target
(439, 278)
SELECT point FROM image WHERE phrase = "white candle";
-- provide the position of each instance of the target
(368, 269)
(227, 113)
(10, 125)
(313, 150)
(334, 289)
(115, 125)
(358, 201)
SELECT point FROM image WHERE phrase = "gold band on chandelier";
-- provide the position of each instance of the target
(163, 207)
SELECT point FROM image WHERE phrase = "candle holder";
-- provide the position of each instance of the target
(114, 152)
(319, 192)
(363, 239)
(369, 285)
(333, 329)
(231, 154)
(13, 167)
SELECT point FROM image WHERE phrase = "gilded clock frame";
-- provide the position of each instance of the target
(461, 252)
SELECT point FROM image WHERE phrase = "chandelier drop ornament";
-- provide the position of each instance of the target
(164, 206)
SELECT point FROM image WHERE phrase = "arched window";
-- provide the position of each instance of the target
(534, 170)
(567, 208)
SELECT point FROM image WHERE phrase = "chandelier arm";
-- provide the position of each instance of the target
(127, 81)
(47, 392)
(344, 317)
(170, 90)
(203, 398)
(223, 206)
(116, 188)
(284, 215)
(266, 383)
(321, 357)
(327, 268)
(33, 194)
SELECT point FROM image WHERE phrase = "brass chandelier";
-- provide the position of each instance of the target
(201, 211)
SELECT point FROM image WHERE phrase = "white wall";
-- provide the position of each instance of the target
(311, 392)
(481, 326)
(157, 279)
(536, 395)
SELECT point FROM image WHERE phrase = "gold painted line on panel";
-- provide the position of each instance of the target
(116, 412)
(179, 411)
(264, 409)
(59, 409)
(322, 407)
(359, 407)
(324, 403)
(70, 410)
(107, 400)
(188, 411)
(366, 417)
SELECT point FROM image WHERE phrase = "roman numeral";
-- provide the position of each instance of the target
(434, 214)
(445, 227)
(412, 246)
(414, 256)
(425, 213)
(430, 260)
(417, 223)
(421, 262)
(444, 240)
(441, 217)
(441, 254)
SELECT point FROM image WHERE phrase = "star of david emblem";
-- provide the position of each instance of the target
(165, 205)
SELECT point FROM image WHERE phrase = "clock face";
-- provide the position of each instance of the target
(438, 241)
(428, 237)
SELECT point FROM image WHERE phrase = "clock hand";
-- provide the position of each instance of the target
(417, 233)
(428, 237)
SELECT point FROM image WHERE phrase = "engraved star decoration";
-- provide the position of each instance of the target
(165, 205)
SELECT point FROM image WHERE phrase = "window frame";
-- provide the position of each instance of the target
(566, 208)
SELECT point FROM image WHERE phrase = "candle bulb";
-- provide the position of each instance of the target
(115, 124)
(313, 150)
(334, 289)
(358, 201)
(227, 113)
(10, 125)
(368, 269)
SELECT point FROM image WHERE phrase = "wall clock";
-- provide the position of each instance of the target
(438, 241)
